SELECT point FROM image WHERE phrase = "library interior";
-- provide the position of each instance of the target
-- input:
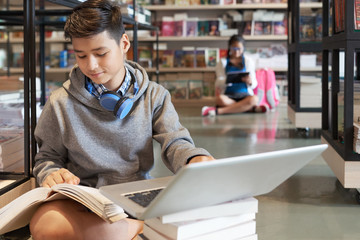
(292, 59)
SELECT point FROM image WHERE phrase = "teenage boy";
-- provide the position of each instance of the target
(98, 129)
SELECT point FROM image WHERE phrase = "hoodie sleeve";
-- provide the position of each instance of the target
(177, 146)
(51, 154)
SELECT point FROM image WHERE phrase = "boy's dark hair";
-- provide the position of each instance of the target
(93, 17)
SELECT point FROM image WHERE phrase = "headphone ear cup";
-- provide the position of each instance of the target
(108, 100)
(123, 108)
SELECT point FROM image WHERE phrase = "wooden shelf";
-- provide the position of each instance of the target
(347, 172)
(184, 69)
(218, 7)
(304, 119)
(214, 38)
(193, 102)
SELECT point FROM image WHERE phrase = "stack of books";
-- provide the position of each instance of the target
(230, 220)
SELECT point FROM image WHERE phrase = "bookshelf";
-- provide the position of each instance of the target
(304, 68)
(340, 50)
(211, 11)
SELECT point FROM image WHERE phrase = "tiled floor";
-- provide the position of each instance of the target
(310, 205)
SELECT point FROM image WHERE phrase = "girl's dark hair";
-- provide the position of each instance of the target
(93, 17)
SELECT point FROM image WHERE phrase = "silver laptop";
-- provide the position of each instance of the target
(208, 183)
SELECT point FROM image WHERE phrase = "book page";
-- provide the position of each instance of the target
(18, 213)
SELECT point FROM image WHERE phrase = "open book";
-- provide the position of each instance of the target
(18, 213)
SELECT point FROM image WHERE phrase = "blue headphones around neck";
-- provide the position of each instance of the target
(112, 101)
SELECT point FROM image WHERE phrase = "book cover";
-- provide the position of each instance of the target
(212, 57)
(214, 27)
(200, 57)
(357, 14)
(258, 28)
(203, 28)
(248, 28)
(145, 56)
(193, 229)
(307, 28)
(166, 58)
(167, 26)
(192, 27)
(179, 60)
(180, 26)
(280, 28)
(18, 213)
(180, 90)
(189, 56)
(195, 89)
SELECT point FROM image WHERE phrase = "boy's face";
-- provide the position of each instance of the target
(101, 59)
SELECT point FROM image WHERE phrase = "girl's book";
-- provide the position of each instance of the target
(18, 213)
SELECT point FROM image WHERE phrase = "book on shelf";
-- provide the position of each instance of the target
(189, 56)
(179, 60)
(166, 58)
(212, 57)
(11, 96)
(203, 27)
(180, 24)
(167, 26)
(357, 14)
(339, 17)
(18, 213)
(200, 57)
(214, 25)
(195, 89)
(192, 27)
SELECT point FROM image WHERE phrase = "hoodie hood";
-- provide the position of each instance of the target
(75, 86)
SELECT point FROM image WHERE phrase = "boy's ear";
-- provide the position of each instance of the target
(125, 43)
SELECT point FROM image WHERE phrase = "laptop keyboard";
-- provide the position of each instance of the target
(144, 198)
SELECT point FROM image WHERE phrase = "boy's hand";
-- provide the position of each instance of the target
(60, 176)
(201, 159)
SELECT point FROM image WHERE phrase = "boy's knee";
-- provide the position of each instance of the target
(48, 223)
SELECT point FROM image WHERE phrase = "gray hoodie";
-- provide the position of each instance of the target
(75, 132)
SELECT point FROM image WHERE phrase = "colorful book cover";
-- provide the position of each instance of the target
(167, 26)
(258, 28)
(214, 28)
(180, 26)
(200, 60)
(203, 28)
(166, 58)
(189, 57)
(248, 28)
(179, 60)
(212, 57)
(307, 28)
(145, 56)
(195, 89)
(280, 28)
(191, 27)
